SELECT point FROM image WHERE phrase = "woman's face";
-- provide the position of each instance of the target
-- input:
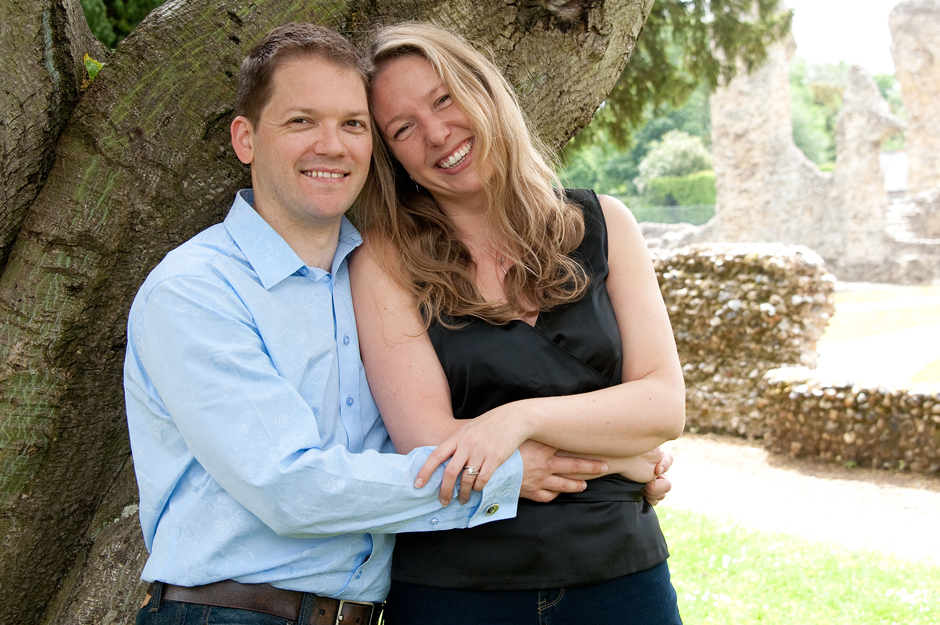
(425, 130)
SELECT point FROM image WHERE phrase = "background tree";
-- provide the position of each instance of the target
(685, 44)
(686, 48)
(113, 20)
(142, 162)
(816, 100)
(676, 154)
(601, 165)
(816, 92)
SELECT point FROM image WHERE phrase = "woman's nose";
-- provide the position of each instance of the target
(437, 132)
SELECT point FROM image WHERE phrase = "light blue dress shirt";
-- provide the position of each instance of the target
(259, 451)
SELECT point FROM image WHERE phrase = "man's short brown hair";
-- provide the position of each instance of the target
(285, 43)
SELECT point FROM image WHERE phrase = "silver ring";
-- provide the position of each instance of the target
(471, 470)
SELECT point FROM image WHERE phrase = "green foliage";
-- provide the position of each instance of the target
(695, 214)
(113, 20)
(676, 154)
(604, 167)
(697, 188)
(816, 93)
(891, 91)
(97, 17)
(686, 43)
(92, 66)
(814, 109)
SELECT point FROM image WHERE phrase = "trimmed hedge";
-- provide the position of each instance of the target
(698, 188)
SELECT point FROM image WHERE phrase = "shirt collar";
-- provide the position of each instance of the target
(267, 252)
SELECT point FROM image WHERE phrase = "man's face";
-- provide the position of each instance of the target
(311, 149)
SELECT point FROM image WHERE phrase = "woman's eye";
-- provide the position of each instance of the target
(443, 99)
(400, 132)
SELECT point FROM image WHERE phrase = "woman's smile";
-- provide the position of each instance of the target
(458, 157)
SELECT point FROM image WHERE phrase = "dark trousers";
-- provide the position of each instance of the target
(644, 598)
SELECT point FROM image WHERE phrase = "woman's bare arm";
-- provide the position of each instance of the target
(618, 424)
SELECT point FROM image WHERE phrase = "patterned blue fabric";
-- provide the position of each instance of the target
(259, 451)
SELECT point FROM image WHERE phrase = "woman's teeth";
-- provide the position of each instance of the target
(457, 156)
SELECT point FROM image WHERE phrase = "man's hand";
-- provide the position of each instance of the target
(542, 472)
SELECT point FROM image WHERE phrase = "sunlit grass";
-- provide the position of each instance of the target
(729, 575)
(929, 374)
(852, 325)
(888, 294)
(911, 306)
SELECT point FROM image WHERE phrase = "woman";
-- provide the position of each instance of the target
(492, 313)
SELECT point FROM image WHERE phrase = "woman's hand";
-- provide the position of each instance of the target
(475, 451)
(648, 468)
(641, 468)
(656, 490)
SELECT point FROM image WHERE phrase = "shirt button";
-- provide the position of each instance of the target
(346, 340)
(349, 401)
(492, 509)
(434, 522)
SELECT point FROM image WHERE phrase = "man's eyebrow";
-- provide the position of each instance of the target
(312, 112)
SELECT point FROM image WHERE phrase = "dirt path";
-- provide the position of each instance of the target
(888, 511)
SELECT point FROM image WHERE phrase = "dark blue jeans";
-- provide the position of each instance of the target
(160, 612)
(644, 598)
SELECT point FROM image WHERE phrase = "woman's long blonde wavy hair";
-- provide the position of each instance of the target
(527, 217)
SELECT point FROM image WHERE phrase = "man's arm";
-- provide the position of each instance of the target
(200, 380)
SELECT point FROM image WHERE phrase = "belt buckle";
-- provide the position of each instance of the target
(340, 616)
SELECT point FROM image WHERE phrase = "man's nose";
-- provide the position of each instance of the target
(329, 142)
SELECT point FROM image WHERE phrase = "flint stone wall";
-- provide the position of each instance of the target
(838, 421)
(737, 312)
(747, 319)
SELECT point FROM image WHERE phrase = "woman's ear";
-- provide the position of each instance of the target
(243, 139)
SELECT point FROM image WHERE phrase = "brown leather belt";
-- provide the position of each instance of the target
(276, 602)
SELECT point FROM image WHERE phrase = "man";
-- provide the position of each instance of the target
(268, 486)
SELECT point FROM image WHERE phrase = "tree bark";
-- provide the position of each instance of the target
(43, 43)
(143, 164)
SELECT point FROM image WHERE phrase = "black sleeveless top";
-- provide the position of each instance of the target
(606, 531)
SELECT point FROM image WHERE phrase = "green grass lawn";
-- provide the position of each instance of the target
(729, 575)
(726, 574)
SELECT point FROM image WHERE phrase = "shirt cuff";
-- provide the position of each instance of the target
(500, 497)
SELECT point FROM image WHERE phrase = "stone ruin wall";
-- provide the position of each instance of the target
(840, 421)
(769, 191)
(915, 47)
(747, 319)
(767, 188)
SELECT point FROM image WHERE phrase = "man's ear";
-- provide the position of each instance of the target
(242, 139)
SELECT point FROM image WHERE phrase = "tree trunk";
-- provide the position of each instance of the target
(143, 164)
(43, 42)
